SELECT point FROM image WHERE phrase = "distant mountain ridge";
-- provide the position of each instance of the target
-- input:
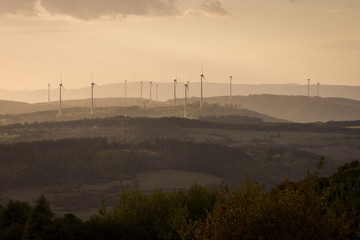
(166, 91)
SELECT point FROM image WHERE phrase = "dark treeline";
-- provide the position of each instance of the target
(48, 162)
(314, 208)
(89, 160)
(234, 119)
(168, 123)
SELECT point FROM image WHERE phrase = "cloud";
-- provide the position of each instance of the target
(90, 9)
(93, 9)
(23, 7)
(214, 8)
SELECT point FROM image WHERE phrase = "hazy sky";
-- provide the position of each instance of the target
(256, 41)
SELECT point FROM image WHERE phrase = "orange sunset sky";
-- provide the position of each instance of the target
(256, 41)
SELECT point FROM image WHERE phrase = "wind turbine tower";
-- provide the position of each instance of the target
(141, 84)
(230, 87)
(125, 88)
(157, 86)
(60, 87)
(150, 90)
(318, 89)
(92, 94)
(188, 83)
(201, 80)
(309, 87)
(186, 93)
(175, 82)
(48, 93)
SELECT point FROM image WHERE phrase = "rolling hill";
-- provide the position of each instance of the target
(298, 108)
(270, 108)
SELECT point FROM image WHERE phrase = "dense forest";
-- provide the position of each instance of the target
(314, 208)
(87, 160)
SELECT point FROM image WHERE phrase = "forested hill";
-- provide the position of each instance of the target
(297, 108)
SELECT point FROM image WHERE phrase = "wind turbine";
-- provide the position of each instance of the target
(150, 90)
(230, 87)
(60, 87)
(48, 93)
(186, 93)
(201, 78)
(92, 94)
(308, 87)
(175, 82)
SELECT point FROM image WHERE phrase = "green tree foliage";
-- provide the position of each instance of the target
(13, 218)
(65, 227)
(40, 219)
(344, 194)
(161, 215)
(315, 208)
(289, 211)
(234, 214)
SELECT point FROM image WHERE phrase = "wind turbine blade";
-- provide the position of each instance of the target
(92, 79)
(202, 69)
